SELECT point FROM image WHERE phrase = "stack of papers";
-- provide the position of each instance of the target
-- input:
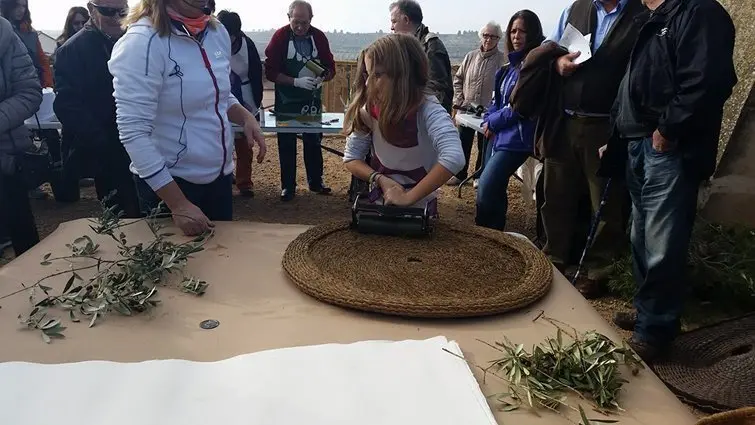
(366, 383)
(574, 41)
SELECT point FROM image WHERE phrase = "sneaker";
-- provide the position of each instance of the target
(37, 193)
(5, 243)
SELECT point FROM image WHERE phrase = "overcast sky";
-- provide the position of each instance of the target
(445, 16)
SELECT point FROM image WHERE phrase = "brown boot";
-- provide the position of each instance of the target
(590, 289)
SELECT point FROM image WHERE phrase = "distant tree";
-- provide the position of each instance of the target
(458, 33)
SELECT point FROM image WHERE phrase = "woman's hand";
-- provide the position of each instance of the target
(191, 220)
(253, 134)
(486, 131)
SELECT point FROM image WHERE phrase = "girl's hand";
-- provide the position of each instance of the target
(396, 195)
(386, 183)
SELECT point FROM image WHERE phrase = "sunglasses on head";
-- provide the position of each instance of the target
(110, 11)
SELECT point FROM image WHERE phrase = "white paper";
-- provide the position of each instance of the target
(366, 383)
(575, 41)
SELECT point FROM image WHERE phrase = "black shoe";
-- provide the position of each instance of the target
(321, 190)
(625, 320)
(649, 353)
(287, 195)
(247, 193)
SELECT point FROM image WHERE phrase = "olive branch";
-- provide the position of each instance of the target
(126, 285)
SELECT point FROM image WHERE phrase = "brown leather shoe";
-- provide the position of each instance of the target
(625, 320)
(590, 289)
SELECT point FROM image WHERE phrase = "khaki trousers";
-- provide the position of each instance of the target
(566, 176)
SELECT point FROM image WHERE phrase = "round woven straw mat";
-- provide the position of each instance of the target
(456, 272)
(744, 416)
(713, 367)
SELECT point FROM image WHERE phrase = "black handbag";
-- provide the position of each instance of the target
(35, 164)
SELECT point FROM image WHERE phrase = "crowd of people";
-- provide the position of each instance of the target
(147, 97)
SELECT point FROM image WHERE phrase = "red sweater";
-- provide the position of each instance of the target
(277, 50)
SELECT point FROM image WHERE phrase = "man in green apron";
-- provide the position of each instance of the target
(298, 60)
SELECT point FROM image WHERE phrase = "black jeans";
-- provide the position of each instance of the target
(467, 136)
(115, 175)
(214, 199)
(313, 161)
(16, 217)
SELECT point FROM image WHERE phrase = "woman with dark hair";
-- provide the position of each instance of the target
(512, 136)
(77, 17)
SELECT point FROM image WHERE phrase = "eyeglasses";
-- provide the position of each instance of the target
(490, 37)
(110, 11)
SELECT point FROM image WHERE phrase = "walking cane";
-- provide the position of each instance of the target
(593, 230)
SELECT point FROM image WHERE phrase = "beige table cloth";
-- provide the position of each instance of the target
(259, 309)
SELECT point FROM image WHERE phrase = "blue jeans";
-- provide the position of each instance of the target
(313, 161)
(664, 205)
(215, 199)
(492, 192)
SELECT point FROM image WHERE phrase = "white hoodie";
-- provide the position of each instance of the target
(172, 96)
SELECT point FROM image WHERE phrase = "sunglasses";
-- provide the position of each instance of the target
(110, 11)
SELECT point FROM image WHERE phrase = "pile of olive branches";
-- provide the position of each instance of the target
(126, 285)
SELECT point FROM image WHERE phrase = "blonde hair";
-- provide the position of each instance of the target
(404, 63)
(157, 12)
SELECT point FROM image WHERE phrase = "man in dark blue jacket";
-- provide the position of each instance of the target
(246, 85)
(669, 110)
(85, 107)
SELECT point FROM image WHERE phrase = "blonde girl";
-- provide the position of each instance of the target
(414, 145)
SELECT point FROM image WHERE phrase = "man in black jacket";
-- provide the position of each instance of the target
(246, 85)
(669, 111)
(406, 17)
(85, 106)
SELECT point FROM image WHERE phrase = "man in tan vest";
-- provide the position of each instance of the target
(571, 160)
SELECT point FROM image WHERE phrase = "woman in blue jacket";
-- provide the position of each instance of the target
(512, 136)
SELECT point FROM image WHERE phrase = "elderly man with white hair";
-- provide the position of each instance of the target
(473, 84)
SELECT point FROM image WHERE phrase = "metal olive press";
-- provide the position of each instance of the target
(390, 220)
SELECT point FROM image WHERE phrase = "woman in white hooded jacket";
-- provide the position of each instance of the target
(174, 103)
